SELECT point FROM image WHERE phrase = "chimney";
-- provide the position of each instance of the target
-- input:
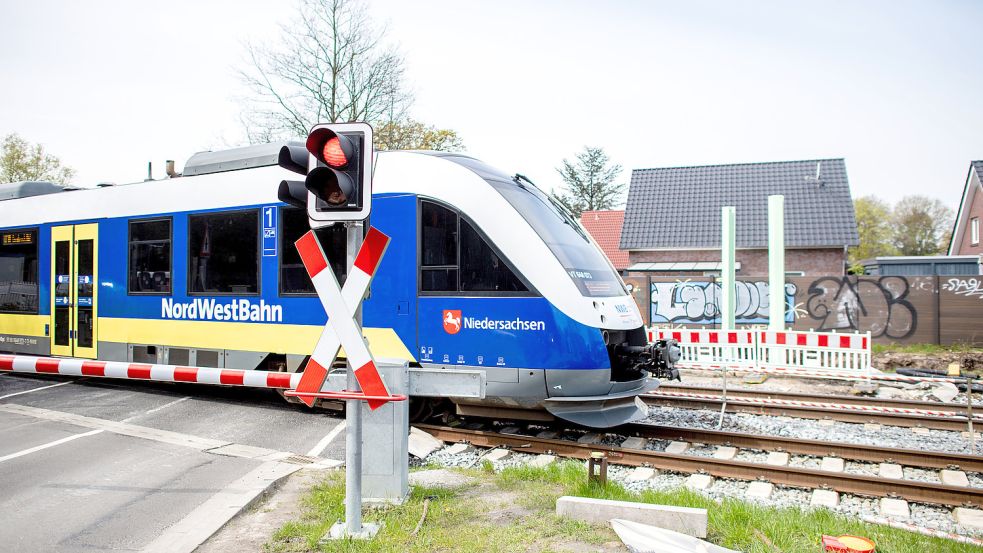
(171, 173)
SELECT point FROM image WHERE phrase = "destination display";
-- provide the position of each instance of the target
(17, 238)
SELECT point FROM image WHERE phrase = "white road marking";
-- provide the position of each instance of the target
(28, 451)
(155, 409)
(36, 389)
(325, 441)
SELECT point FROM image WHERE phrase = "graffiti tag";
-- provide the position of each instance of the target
(696, 302)
(965, 287)
(880, 306)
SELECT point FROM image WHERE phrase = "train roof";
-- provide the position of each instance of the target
(26, 189)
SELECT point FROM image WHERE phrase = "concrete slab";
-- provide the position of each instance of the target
(872, 427)
(890, 470)
(497, 454)
(760, 490)
(686, 520)
(458, 449)
(590, 438)
(755, 378)
(824, 498)
(725, 452)
(677, 447)
(438, 478)
(422, 444)
(547, 435)
(895, 508)
(639, 474)
(921, 431)
(543, 461)
(954, 478)
(699, 481)
(826, 422)
(945, 392)
(972, 518)
(777, 458)
(634, 443)
(832, 464)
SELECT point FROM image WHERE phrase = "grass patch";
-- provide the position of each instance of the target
(926, 348)
(513, 510)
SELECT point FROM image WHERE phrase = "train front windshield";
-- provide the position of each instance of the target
(584, 263)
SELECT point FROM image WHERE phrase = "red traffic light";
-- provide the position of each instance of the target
(332, 149)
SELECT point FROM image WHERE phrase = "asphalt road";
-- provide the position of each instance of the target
(93, 465)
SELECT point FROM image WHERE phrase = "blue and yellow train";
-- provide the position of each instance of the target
(484, 271)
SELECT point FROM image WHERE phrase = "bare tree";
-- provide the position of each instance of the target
(332, 65)
(414, 135)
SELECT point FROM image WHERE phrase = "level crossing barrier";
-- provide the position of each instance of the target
(143, 371)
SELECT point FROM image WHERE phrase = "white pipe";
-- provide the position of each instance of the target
(776, 262)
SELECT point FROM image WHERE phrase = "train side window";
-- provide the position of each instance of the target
(19, 271)
(223, 253)
(150, 257)
(293, 276)
(481, 268)
(438, 252)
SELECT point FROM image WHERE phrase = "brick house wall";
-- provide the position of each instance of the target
(964, 246)
(754, 262)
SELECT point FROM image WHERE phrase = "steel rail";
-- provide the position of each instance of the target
(745, 405)
(954, 408)
(819, 448)
(872, 486)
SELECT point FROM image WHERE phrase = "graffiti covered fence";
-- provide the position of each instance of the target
(915, 309)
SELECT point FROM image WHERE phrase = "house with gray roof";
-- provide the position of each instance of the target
(672, 218)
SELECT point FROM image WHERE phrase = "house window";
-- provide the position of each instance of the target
(293, 276)
(150, 257)
(19, 271)
(223, 253)
(974, 231)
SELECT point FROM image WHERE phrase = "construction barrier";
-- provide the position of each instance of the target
(770, 351)
(143, 371)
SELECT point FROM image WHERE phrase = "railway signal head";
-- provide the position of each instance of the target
(338, 170)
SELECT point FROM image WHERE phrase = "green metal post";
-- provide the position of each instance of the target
(727, 273)
(776, 262)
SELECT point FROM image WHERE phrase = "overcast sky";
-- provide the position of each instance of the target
(896, 88)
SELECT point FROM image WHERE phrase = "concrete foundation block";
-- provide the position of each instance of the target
(590, 438)
(921, 431)
(686, 520)
(777, 458)
(677, 447)
(543, 461)
(890, 470)
(973, 518)
(497, 454)
(954, 478)
(639, 474)
(422, 444)
(458, 449)
(895, 508)
(824, 498)
(760, 490)
(634, 443)
(547, 435)
(725, 452)
(699, 482)
(832, 464)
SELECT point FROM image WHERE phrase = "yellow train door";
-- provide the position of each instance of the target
(74, 290)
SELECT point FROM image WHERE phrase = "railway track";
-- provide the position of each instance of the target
(843, 482)
(892, 412)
